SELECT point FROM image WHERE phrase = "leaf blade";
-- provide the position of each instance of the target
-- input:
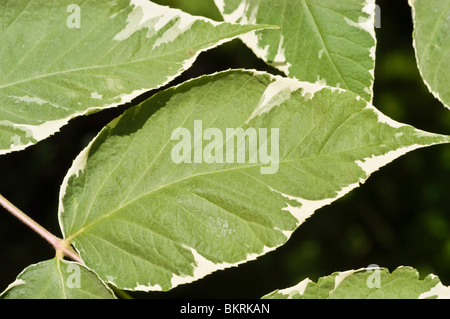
(125, 194)
(57, 279)
(52, 73)
(367, 283)
(431, 44)
(321, 41)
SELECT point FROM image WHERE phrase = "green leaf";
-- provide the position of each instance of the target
(126, 199)
(367, 283)
(63, 59)
(432, 44)
(57, 279)
(324, 41)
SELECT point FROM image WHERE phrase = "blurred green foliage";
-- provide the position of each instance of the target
(400, 216)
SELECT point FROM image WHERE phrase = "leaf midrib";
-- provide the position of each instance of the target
(306, 5)
(61, 279)
(197, 48)
(85, 228)
(83, 69)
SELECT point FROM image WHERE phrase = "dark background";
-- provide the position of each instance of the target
(400, 216)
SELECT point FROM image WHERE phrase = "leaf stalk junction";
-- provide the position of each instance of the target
(61, 246)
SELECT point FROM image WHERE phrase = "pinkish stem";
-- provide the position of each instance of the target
(60, 245)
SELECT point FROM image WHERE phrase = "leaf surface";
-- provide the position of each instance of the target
(432, 45)
(127, 203)
(57, 279)
(62, 59)
(325, 41)
(367, 283)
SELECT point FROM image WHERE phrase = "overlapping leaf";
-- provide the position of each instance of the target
(128, 204)
(324, 41)
(367, 283)
(57, 279)
(62, 59)
(432, 44)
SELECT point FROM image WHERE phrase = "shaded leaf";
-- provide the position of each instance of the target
(367, 283)
(325, 41)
